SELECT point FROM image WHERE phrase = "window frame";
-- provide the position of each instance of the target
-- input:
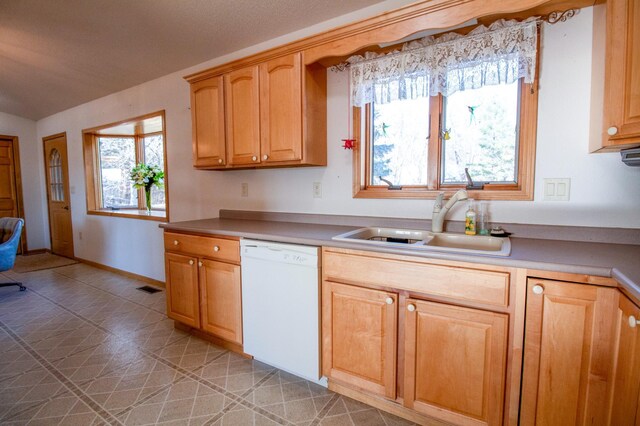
(526, 149)
(93, 169)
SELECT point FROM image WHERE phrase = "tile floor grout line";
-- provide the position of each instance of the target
(179, 369)
(90, 402)
(61, 392)
(107, 291)
(150, 396)
(325, 410)
(265, 413)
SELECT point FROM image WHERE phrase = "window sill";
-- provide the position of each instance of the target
(157, 215)
(426, 194)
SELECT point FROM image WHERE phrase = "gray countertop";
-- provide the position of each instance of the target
(619, 261)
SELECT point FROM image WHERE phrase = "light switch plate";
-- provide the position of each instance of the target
(317, 190)
(557, 189)
(244, 191)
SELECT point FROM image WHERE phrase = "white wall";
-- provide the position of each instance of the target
(32, 172)
(603, 191)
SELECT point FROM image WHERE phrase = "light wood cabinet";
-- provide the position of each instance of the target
(204, 289)
(621, 127)
(243, 116)
(183, 302)
(428, 360)
(360, 337)
(272, 114)
(208, 126)
(567, 353)
(281, 109)
(626, 383)
(221, 299)
(455, 362)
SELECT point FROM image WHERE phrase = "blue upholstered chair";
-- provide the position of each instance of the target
(10, 230)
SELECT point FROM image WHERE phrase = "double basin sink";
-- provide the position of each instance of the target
(429, 241)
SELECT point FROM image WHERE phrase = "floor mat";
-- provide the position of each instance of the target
(37, 262)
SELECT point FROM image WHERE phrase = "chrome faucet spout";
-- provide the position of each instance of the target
(440, 212)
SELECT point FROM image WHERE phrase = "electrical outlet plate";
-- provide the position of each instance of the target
(557, 189)
(317, 190)
(244, 191)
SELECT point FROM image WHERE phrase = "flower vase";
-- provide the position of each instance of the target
(147, 193)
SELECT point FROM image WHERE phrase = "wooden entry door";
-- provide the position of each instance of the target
(10, 185)
(57, 173)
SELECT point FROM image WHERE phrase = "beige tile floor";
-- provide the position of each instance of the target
(82, 346)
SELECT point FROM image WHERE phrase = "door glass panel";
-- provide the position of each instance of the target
(55, 176)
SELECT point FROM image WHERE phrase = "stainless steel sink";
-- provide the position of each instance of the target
(425, 240)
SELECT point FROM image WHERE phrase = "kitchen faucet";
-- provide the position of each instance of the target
(439, 212)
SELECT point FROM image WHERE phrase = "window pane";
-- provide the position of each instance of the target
(482, 128)
(399, 151)
(154, 156)
(117, 158)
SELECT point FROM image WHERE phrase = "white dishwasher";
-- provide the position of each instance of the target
(280, 306)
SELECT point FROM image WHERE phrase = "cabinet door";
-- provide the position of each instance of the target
(622, 74)
(243, 116)
(359, 331)
(182, 289)
(281, 109)
(455, 362)
(207, 115)
(221, 299)
(626, 389)
(567, 359)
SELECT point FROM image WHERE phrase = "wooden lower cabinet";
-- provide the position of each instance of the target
(183, 302)
(204, 290)
(221, 299)
(567, 353)
(360, 337)
(626, 383)
(455, 361)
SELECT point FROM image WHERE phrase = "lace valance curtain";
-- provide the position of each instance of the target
(501, 53)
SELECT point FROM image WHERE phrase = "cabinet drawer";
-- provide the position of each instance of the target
(471, 285)
(211, 247)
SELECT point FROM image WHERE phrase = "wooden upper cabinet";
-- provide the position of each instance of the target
(455, 362)
(359, 337)
(207, 116)
(626, 390)
(567, 353)
(243, 116)
(621, 125)
(183, 301)
(281, 109)
(221, 299)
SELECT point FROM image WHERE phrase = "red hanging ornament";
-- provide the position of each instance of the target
(349, 142)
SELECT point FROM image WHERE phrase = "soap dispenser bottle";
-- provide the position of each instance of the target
(470, 219)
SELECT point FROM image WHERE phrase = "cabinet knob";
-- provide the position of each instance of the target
(216, 248)
(633, 321)
(612, 131)
(190, 261)
(200, 264)
(254, 158)
(219, 160)
(411, 308)
(389, 301)
(176, 242)
(265, 157)
(537, 289)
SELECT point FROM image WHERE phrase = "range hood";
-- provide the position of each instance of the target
(631, 157)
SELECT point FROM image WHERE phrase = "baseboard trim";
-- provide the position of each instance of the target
(36, 251)
(127, 274)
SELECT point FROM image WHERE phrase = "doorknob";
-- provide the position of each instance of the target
(66, 207)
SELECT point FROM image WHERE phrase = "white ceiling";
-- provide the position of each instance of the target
(56, 54)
